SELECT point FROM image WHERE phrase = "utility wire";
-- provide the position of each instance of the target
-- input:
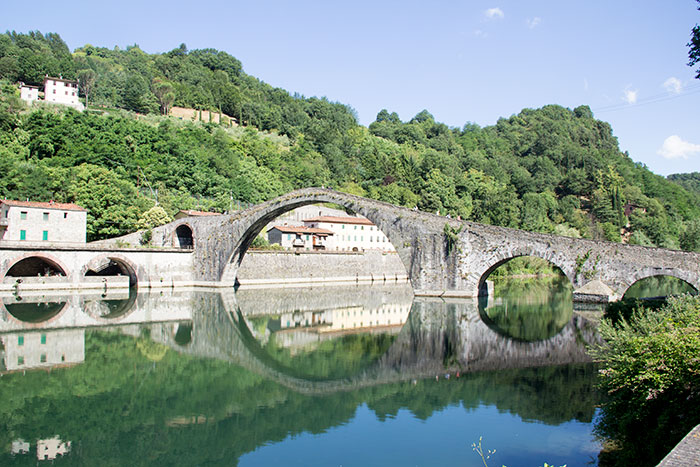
(689, 90)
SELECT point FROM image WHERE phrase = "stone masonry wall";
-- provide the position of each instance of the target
(288, 268)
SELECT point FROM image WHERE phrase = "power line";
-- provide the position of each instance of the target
(690, 90)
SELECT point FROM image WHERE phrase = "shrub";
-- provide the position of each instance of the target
(651, 375)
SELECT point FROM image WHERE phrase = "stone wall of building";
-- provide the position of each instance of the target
(289, 268)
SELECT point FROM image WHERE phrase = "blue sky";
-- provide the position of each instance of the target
(464, 61)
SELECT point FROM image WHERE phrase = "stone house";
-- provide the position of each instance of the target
(33, 221)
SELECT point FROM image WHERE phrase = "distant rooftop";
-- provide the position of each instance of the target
(191, 213)
(340, 220)
(44, 205)
(301, 229)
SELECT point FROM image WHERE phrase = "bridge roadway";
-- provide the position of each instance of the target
(437, 262)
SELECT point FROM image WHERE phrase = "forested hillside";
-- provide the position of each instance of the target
(689, 181)
(550, 170)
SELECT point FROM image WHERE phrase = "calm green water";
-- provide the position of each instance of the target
(659, 286)
(330, 376)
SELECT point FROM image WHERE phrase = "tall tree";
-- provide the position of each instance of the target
(165, 92)
(694, 44)
(87, 78)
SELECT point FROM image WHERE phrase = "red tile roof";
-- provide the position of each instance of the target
(44, 205)
(340, 220)
(199, 213)
(301, 229)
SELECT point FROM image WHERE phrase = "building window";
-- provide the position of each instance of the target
(54, 91)
(45, 235)
(46, 216)
(20, 340)
(20, 360)
(343, 225)
(42, 359)
(22, 234)
(43, 338)
(23, 215)
(65, 215)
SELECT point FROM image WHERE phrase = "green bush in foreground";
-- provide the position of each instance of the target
(651, 375)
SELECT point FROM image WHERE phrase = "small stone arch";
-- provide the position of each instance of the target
(34, 264)
(111, 264)
(507, 256)
(657, 272)
(183, 237)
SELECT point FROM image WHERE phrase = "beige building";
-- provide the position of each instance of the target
(33, 221)
(351, 233)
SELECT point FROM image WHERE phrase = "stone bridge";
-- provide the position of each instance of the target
(442, 256)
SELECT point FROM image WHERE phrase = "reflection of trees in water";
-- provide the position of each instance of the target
(144, 408)
(530, 309)
(659, 286)
(36, 312)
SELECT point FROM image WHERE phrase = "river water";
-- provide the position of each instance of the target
(354, 375)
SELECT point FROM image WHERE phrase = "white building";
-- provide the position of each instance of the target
(50, 448)
(300, 237)
(62, 91)
(351, 233)
(34, 221)
(28, 93)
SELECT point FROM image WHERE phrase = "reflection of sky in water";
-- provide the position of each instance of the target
(445, 438)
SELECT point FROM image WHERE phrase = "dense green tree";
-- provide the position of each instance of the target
(694, 46)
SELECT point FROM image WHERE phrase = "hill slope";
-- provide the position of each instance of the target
(551, 169)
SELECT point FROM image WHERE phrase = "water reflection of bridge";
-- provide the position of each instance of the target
(438, 336)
